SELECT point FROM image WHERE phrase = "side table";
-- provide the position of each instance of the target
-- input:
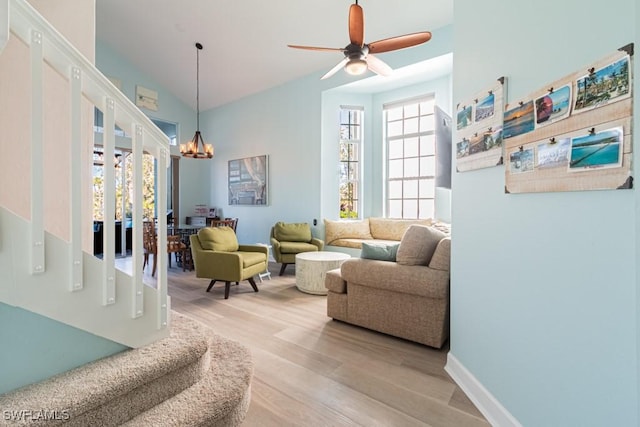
(312, 267)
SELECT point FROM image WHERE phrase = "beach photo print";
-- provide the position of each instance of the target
(554, 106)
(519, 120)
(603, 86)
(597, 150)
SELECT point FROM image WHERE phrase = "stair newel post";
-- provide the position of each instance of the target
(161, 208)
(37, 155)
(137, 142)
(75, 180)
(4, 24)
(109, 278)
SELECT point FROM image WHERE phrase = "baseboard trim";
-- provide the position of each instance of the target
(486, 403)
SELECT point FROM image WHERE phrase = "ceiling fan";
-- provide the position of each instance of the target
(358, 54)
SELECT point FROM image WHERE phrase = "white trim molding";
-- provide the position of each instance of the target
(4, 23)
(486, 403)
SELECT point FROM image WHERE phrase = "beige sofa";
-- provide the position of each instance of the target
(408, 298)
(351, 233)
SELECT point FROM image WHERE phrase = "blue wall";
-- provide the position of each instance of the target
(544, 286)
(54, 348)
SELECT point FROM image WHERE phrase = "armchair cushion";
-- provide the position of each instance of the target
(296, 247)
(292, 232)
(418, 245)
(218, 239)
(251, 258)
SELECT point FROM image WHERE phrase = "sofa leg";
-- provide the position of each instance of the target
(282, 268)
(253, 284)
(211, 285)
(227, 286)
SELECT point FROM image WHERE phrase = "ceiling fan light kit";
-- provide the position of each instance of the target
(358, 58)
(191, 148)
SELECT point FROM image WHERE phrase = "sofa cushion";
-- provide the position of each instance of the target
(346, 229)
(418, 245)
(292, 232)
(218, 239)
(379, 251)
(441, 258)
(296, 247)
(392, 229)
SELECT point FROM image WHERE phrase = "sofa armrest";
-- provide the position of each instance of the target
(417, 280)
(254, 248)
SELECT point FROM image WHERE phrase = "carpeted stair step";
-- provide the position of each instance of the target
(208, 369)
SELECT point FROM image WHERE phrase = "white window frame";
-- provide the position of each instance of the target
(353, 137)
(424, 196)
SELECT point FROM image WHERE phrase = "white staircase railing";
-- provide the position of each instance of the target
(67, 286)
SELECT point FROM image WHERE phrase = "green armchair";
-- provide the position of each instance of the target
(218, 256)
(287, 240)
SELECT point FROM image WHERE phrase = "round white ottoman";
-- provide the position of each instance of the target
(311, 267)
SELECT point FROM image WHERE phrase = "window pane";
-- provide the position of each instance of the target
(395, 149)
(410, 110)
(353, 171)
(395, 168)
(394, 129)
(411, 126)
(428, 145)
(411, 147)
(395, 209)
(427, 189)
(410, 209)
(427, 209)
(395, 190)
(411, 167)
(411, 189)
(394, 114)
(427, 123)
(428, 166)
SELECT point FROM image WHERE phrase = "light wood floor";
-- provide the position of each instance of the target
(311, 370)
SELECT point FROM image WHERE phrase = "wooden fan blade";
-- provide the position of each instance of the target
(400, 42)
(325, 49)
(335, 69)
(356, 25)
(378, 66)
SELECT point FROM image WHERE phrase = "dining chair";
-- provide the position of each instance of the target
(175, 245)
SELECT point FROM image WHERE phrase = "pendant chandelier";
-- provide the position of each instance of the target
(191, 148)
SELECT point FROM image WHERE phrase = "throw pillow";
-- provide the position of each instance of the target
(292, 232)
(393, 229)
(346, 229)
(418, 245)
(379, 251)
(218, 239)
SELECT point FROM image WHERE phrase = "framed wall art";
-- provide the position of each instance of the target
(479, 133)
(248, 181)
(580, 135)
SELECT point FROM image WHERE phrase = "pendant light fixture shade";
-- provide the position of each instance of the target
(192, 148)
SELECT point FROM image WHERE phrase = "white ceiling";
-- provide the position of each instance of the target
(245, 42)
